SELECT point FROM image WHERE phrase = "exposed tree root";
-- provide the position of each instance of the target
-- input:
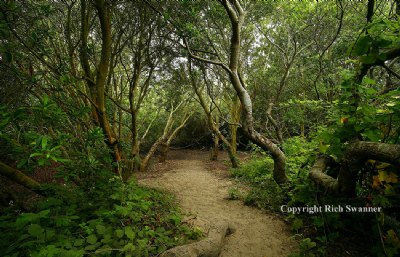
(208, 247)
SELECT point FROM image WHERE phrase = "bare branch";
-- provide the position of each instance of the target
(150, 125)
(200, 58)
(118, 104)
(389, 70)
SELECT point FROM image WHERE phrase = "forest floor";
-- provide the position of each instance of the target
(201, 188)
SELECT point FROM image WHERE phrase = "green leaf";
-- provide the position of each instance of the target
(107, 239)
(92, 239)
(50, 233)
(4, 122)
(101, 229)
(103, 249)
(35, 230)
(369, 81)
(318, 221)
(362, 45)
(129, 233)
(90, 248)
(44, 213)
(373, 135)
(26, 218)
(129, 248)
(55, 148)
(382, 56)
(62, 221)
(21, 163)
(297, 224)
(307, 244)
(44, 142)
(370, 91)
(34, 154)
(368, 59)
(45, 100)
(79, 242)
(323, 148)
(119, 233)
(75, 253)
(382, 42)
(51, 250)
(60, 159)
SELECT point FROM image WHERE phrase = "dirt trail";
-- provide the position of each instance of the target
(202, 190)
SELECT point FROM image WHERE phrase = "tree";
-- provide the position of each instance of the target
(237, 15)
(357, 129)
(97, 83)
(213, 120)
(167, 136)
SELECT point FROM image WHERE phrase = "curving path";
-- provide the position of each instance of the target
(202, 194)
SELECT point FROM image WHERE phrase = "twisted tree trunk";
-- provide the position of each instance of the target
(354, 158)
(236, 16)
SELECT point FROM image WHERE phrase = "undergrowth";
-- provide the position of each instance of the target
(321, 233)
(114, 219)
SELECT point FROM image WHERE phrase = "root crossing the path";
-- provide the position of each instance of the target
(202, 192)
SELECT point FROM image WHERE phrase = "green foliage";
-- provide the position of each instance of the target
(265, 193)
(322, 231)
(257, 172)
(299, 152)
(125, 220)
(319, 231)
(382, 34)
(234, 193)
(44, 152)
(87, 211)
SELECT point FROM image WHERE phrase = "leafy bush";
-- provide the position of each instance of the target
(114, 219)
(318, 231)
(298, 151)
(257, 173)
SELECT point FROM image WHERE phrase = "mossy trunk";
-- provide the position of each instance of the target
(19, 177)
(163, 151)
(215, 148)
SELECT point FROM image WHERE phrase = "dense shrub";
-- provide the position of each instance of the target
(326, 233)
(115, 219)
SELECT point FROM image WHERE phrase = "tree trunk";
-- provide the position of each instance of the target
(146, 160)
(319, 177)
(135, 144)
(163, 152)
(354, 158)
(101, 76)
(215, 148)
(97, 87)
(236, 16)
(235, 113)
(164, 146)
(233, 158)
(210, 120)
(166, 138)
(278, 131)
(19, 177)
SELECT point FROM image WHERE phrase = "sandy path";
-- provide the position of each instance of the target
(202, 194)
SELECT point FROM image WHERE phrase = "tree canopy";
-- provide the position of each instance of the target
(92, 90)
